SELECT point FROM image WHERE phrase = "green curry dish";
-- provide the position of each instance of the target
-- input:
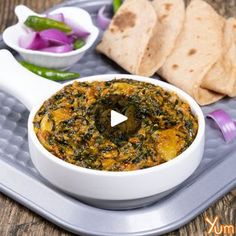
(74, 125)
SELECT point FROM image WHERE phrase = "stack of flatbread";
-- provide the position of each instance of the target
(193, 48)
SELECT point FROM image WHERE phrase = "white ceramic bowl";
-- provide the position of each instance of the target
(86, 183)
(47, 59)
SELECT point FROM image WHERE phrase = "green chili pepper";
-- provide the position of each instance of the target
(79, 43)
(116, 5)
(51, 74)
(42, 23)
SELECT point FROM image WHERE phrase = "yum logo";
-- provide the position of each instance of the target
(221, 229)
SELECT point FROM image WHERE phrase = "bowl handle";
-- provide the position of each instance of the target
(26, 86)
(22, 12)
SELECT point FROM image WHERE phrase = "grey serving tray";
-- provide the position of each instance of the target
(215, 176)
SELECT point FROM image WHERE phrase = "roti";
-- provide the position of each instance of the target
(138, 38)
(170, 14)
(198, 48)
(222, 75)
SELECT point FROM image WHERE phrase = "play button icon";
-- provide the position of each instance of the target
(117, 118)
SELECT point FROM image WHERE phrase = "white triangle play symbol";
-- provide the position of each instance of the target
(117, 118)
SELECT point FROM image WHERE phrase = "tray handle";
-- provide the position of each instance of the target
(26, 86)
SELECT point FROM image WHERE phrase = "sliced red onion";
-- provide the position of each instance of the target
(54, 36)
(33, 41)
(78, 30)
(225, 124)
(58, 49)
(56, 16)
(102, 20)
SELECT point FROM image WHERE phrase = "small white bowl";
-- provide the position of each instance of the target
(47, 59)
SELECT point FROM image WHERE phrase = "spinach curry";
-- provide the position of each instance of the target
(74, 125)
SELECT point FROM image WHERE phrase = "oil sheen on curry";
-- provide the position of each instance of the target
(74, 125)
